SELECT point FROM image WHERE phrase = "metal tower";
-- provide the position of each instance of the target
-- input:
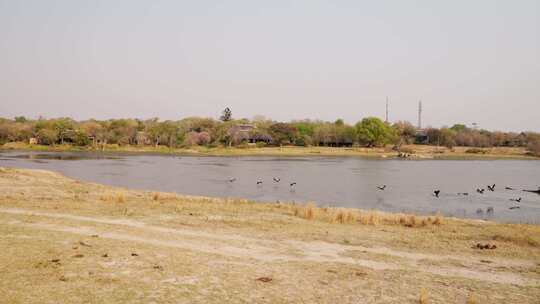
(386, 109)
(420, 114)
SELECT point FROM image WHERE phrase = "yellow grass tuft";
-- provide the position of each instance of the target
(310, 212)
(424, 298)
(120, 197)
(471, 299)
(351, 216)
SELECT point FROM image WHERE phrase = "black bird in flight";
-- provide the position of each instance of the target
(516, 200)
(515, 207)
(259, 182)
(481, 191)
(491, 188)
(509, 188)
(533, 191)
(463, 193)
(232, 180)
(381, 188)
(437, 192)
(277, 180)
(293, 184)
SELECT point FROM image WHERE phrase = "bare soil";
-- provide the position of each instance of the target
(66, 241)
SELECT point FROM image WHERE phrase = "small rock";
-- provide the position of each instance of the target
(105, 255)
(75, 247)
(95, 235)
(84, 244)
(78, 256)
(63, 279)
(134, 254)
(264, 279)
(55, 260)
(158, 267)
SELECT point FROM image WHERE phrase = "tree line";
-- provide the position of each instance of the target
(194, 131)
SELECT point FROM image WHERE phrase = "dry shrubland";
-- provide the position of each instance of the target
(351, 216)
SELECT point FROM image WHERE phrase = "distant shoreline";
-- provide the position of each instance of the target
(410, 152)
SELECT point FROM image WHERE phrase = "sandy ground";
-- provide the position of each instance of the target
(65, 241)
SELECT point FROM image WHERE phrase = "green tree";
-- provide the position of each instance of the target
(406, 132)
(459, 128)
(47, 136)
(62, 126)
(283, 133)
(21, 119)
(374, 132)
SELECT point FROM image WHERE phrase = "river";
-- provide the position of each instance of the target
(327, 181)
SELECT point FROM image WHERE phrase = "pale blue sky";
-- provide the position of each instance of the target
(469, 61)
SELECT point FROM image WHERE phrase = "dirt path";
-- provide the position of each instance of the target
(270, 251)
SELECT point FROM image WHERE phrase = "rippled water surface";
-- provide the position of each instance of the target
(335, 181)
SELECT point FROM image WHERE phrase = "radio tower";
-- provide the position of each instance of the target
(420, 115)
(386, 109)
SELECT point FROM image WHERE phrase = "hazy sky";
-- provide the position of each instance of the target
(468, 61)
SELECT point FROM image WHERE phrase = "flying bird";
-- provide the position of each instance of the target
(293, 184)
(533, 191)
(514, 207)
(259, 182)
(381, 188)
(463, 193)
(509, 188)
(481, 191)
(437, 192)
(277, 180)
(232, 180)
(516, 200)
(491, 188)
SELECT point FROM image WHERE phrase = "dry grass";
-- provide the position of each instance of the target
(270, 225)
(423, 151)
(120, 197)
(424, 297)
(155, 196)
(352, 216)
(471, 299)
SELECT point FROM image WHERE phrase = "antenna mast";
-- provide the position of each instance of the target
(386, 109)
(420, 114)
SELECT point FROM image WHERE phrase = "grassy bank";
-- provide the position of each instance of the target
(64, 240)
(413, 151)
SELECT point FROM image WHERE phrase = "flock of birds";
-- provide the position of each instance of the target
(436, 193)
(490, 188)
(260, 181)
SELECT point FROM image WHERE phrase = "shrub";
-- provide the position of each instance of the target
(534, 148)
(476, 151)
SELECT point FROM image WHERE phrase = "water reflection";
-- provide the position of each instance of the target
(345, 181)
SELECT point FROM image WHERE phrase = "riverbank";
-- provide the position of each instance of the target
(408, 151)
(64, 240)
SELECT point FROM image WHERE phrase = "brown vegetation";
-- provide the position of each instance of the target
(62, 247)
(259, 132)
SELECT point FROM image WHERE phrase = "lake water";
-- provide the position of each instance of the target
(327, 181)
